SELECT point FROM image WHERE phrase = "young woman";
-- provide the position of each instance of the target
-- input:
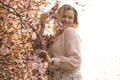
(64, 56)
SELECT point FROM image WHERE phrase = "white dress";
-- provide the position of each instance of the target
(63, 75)
(67, 53)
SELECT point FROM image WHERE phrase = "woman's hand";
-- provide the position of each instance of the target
(44, 54)
(44, 17)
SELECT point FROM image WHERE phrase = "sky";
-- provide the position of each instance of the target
(100, 33)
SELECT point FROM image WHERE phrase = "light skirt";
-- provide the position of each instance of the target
(63, 75)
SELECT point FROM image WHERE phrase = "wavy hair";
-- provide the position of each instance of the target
(66, 7)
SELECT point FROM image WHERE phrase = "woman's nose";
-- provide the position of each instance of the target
(66, 19)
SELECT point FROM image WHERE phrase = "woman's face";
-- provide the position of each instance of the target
(67, 18)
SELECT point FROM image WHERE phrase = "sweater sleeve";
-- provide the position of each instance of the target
(73, 50)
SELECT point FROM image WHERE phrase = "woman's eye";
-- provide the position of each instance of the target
(64, 16)
(70, 17)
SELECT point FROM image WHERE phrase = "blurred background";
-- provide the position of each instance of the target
(99, 30)
(100, 33)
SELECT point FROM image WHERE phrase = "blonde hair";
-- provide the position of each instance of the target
(66, 7)
(61, 12)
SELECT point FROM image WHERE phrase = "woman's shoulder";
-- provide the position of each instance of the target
(70, 29)
(71, 33)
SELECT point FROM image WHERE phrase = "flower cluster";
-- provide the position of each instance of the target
(21, 34)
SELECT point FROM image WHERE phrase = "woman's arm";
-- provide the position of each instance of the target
(73, 51)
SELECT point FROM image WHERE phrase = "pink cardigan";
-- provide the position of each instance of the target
(66, 51)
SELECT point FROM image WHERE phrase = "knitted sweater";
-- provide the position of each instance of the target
(67, 51)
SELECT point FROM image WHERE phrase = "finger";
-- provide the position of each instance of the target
(43, 51)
